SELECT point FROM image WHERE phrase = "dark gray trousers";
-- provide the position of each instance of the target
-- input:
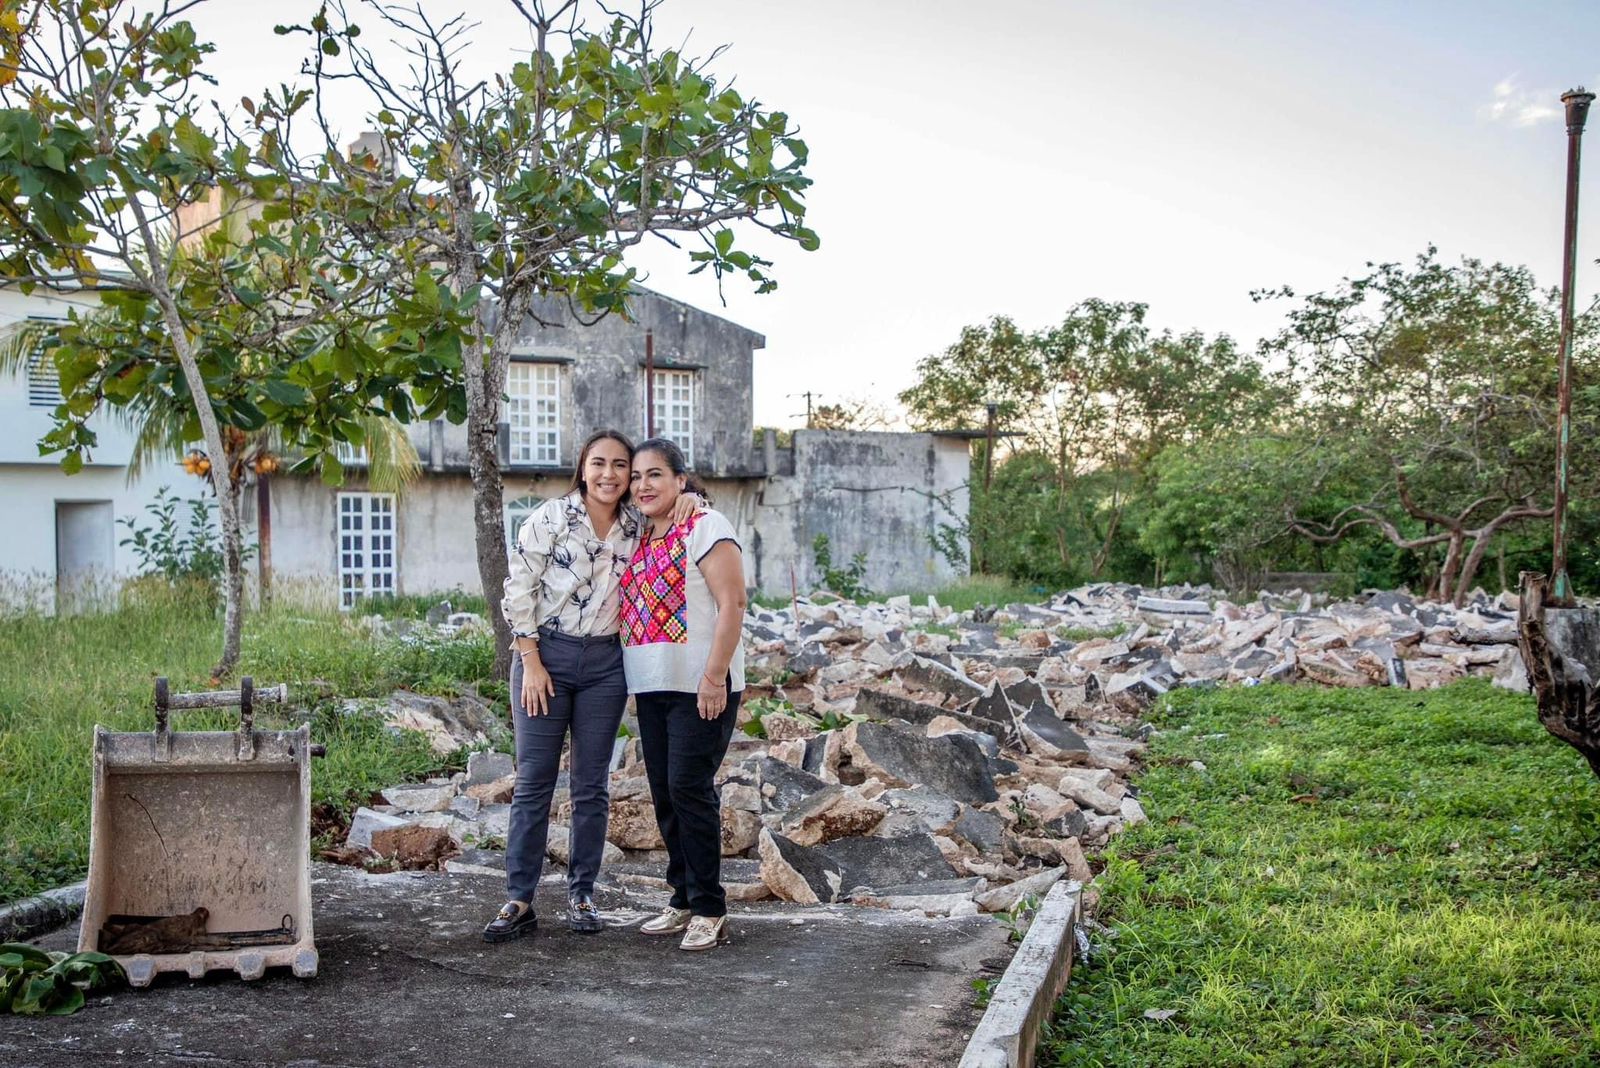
(590, 694)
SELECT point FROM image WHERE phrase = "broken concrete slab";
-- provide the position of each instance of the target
(952, 764)
(925, 674)
(937, 897)
(877, 862)
(1002, 898)
(364, 822)
(804, 875)
(878, 703)
(1046, 734)
(421, 798)
(783, 785)
(983, 830)
(487, 765)
(832, 812)
(933, 811)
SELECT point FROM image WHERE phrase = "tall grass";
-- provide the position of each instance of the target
(61, 676)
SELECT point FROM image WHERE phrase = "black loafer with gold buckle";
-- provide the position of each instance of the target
(511, 923)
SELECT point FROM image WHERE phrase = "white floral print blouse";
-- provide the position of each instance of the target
(565, 576)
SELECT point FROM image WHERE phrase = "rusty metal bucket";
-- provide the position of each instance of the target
(199, 844)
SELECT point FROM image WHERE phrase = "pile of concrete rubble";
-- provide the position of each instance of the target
(909, 756)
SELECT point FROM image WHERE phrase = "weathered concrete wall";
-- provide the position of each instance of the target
(602, 382)
(434, 535)
(879, 493)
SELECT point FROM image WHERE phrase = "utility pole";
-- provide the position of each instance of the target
(808, 395)
(1577, 103)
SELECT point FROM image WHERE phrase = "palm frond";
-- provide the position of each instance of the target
(392, 461)
(19, 342)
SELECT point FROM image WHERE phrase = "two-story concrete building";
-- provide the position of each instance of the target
(885, 494)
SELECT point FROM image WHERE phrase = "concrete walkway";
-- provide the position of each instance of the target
(406, 981)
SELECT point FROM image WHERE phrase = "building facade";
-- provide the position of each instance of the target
(884, 494)
(60, 542)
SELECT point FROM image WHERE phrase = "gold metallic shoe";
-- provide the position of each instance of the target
(705, 932)
(670, 922)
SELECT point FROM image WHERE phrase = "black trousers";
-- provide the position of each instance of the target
(681, 755)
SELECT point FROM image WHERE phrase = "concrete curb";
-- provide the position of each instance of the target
(1021, 1001)
(29, 917)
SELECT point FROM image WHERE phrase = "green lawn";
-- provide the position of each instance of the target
(59, 677)
(1357, 877)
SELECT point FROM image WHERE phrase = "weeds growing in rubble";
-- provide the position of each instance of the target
(1356, 877)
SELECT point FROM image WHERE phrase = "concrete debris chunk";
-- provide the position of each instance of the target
(832, 812)
(796, 873)
(420, 798)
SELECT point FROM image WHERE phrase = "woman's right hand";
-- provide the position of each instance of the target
(537, 689)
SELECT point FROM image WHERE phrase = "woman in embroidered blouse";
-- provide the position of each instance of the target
(683, 604)
(561, 602)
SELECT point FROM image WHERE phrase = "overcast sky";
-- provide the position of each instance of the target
(1018, 156)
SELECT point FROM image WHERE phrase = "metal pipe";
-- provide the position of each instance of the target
(264, 537)
(649, 383)
(1577, 103)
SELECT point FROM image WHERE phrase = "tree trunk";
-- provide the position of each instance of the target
(1451, 565)
(221, 483)
(488, 497)
(1563, 662)
(233, 576)
(221, 474)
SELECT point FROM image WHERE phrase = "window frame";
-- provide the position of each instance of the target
(366, 546)
(687, 383)
(542, 442)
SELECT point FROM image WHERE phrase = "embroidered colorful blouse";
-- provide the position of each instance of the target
(668, 615)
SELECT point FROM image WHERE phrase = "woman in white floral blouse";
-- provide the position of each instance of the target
(561, 604)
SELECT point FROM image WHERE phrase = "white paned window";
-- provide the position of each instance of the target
(517, 511)
(366, 546)
(674, 397)
(533, 412)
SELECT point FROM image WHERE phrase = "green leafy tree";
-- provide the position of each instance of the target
(1096, 397)
(1429, 409)
(500, 193)
(219, 315)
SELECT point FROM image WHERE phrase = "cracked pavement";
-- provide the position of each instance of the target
(405, 980)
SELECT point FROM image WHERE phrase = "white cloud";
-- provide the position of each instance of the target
(1521, 107)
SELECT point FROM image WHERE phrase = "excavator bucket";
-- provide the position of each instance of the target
(199, 845)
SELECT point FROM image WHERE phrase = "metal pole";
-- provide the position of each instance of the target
(1577, 103)
(988, 452)
(264, 536)
(649, 383)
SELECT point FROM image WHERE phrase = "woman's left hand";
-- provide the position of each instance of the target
(713, 698)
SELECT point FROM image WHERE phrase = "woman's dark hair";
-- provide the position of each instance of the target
(583, 457)
(675, 462)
